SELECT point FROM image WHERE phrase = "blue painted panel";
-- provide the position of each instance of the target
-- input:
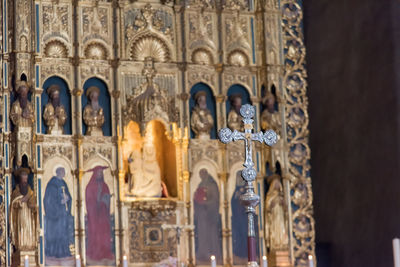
(6, 113)
(41, 250)
(104, 100)
(38, 114)
(40, 202)
(253, 48)
(5, 26)
(7, 163)
(37, 76)
(37, 29)
(65, 100)
(5, 74)
(38, 157)
(210, 105)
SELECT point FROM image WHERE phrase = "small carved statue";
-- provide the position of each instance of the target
(202, 121)
(23, 214)
(93, 114)
(22, 116)
(234, 119)
(21, 113)
(276, 232)
(54, 114)
(270, 117)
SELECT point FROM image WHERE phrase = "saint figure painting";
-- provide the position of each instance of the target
(207, 220)
(58, 221)
(99, 243)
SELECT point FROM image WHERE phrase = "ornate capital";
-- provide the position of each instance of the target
(221, 98)
(116, 93)
(77, 92)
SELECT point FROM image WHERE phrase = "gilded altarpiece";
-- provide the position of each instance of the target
(147, 84)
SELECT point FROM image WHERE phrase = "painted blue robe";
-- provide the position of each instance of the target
(58, 221)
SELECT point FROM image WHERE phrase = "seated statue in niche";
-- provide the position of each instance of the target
(21, 113)
(54, 114)
(276, 232)
(234, 118)
(23, 214)
(93, 114)
(145, 173)
(202, 121)
(270, 117)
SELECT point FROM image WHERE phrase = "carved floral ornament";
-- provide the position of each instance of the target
(144, 27)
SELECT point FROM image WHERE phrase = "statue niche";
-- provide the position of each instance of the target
(151, 162)
(234, 119)
(23, 219)
(202, 120)
(22, 116)
(54, 114)
(93, 114)
(270, 116)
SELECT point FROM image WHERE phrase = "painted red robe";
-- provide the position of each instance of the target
(99, 241)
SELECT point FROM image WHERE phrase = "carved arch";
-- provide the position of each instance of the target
(95, 50)
(202, 56)
(238, 58)
(55, 49)
(149, 45)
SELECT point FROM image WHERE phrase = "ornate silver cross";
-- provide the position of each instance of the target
(249, 199)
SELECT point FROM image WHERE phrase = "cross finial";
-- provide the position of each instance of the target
(249, 199)
(269, 137)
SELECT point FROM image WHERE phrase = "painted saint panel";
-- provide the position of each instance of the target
(207, 220)
(239, 224)
(99, 216)
(58, 216)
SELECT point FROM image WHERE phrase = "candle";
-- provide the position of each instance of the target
(26, 262)
(124, 261)
(213, 261)
(310, 261)
(396, 252)
(78, 261)
(264, 261)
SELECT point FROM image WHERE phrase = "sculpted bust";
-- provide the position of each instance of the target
(21, 113)
(93, 114)
(202, 120)
(270, 116)
(234, 119)
(54, 114)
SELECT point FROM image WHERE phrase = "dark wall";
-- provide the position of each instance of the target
(354, 123)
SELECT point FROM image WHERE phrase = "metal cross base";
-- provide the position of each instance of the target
(249, 199)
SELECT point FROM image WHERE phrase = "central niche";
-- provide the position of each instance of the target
(149, 162)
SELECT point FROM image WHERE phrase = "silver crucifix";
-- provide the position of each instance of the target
(249, 199)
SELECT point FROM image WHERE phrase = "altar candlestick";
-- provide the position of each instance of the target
(124, 261)
(26, 262)
(396, 252)
(310, 261)
(213, 261)
(78, 261)
(264, 261)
